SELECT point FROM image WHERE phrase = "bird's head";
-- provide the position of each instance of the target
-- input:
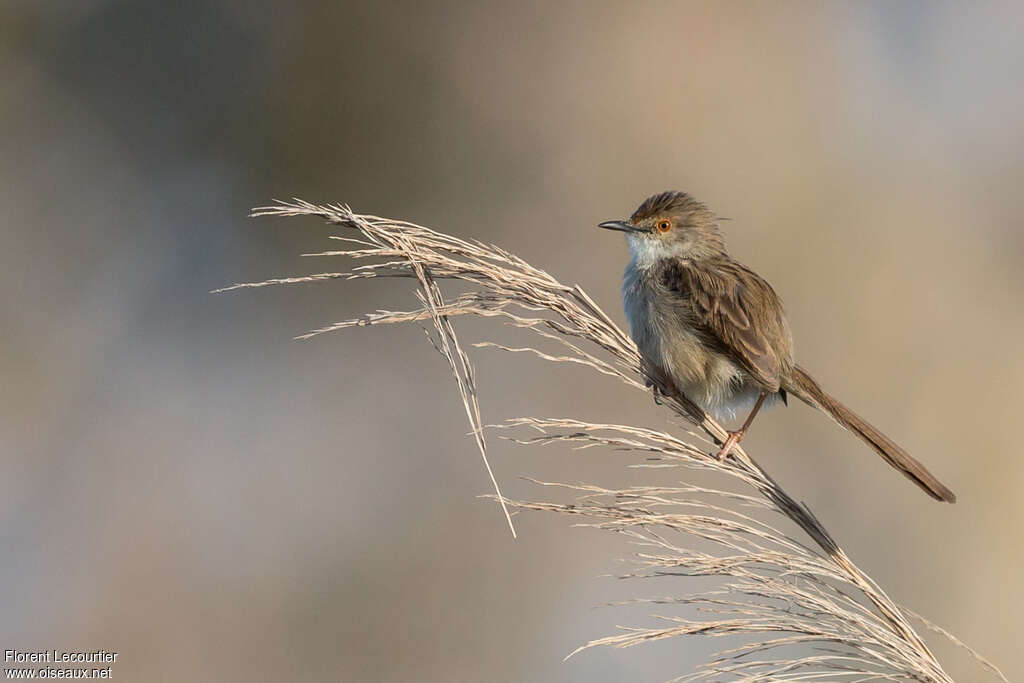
(670, 225)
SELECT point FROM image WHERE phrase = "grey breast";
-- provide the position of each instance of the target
(661, 326)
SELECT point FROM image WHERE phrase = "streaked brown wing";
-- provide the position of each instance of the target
(736, 312)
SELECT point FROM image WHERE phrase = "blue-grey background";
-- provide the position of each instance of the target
(184, 484)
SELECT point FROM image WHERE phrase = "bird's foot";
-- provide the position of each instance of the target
(734, 438)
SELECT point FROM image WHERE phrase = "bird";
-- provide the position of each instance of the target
(713, 330)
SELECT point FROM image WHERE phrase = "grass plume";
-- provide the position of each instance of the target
(801, 609)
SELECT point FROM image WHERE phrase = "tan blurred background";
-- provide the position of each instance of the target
(184, 484)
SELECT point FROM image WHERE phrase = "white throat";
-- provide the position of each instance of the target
(646, 252)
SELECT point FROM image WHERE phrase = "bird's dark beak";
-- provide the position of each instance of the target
(621, 226)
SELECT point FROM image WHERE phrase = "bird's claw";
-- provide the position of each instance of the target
(732, 440)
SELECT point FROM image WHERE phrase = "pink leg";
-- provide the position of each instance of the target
(737, 436)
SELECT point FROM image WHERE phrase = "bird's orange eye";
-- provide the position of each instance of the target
(664, 226)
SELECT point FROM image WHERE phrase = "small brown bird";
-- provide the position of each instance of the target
(714, 330)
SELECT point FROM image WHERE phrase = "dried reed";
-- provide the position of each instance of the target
(807, 612)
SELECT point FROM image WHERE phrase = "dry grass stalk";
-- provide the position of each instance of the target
(807, 611)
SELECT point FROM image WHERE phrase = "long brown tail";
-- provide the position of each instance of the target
(807, 390)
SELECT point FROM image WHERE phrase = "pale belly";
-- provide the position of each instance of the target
(709, 379)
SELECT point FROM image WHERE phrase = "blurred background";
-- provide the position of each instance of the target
(186, 485)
